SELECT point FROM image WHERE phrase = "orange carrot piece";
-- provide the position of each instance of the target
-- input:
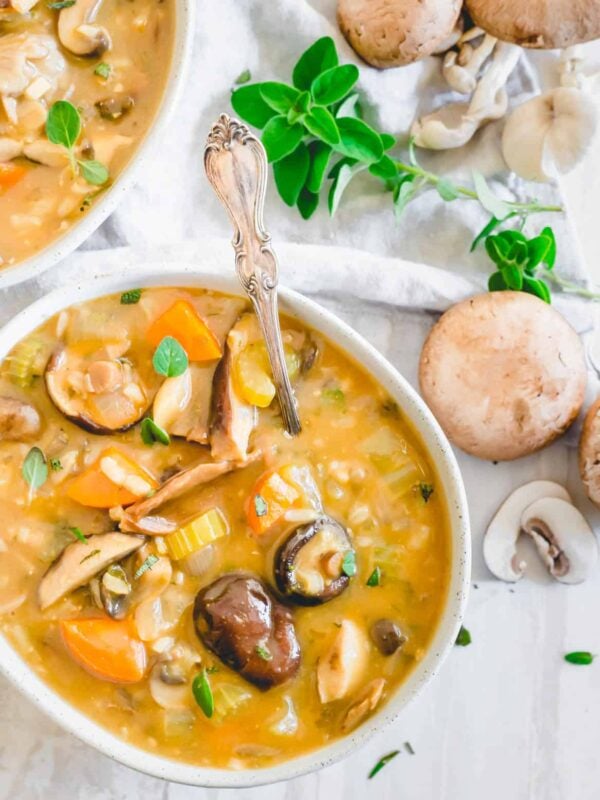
(106, 648)
(93, 488)
(271, 497)
(182, 322)
(11, 174)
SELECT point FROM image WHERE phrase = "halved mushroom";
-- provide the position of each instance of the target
(589, 453)
(341, 668)
(500, 540)
(182, 404)
(102, 396)
(80, 561)
(239, 619)
(563, 538)
(232, 419)
(170, 679)
(18, 421)
(309, 565)
(77, 31)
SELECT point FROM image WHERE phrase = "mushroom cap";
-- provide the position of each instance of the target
(504, 373)
(390, 33)
(589, 453)
(543, 24)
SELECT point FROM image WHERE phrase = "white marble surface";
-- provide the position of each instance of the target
(507, 719)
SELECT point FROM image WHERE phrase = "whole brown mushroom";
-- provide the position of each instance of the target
(544, 24)
(504, 373)
(391, 33)
(589, 453)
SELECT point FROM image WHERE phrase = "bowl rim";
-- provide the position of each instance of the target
(439, 450)
(65, 244)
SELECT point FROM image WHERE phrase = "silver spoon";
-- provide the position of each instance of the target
(236, 165)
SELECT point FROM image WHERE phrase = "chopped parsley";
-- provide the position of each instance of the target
(131, 297)
(426, 490)
(263, 652)
(78, 534)
(463, 638)
(55, 464)
(103, 70)
(90, 555)
(349, 564)
(582, 657)
(260, 506)
(382, 762)
(374, 578)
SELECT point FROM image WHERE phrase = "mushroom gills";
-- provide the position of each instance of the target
(309, 564)
(563, 537)
(77, 31)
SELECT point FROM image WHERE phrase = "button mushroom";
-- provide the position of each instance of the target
(340, 669)
(504, 374)
(309, 563)
(396, 32)
(77, 31)
(589, 453)
(500, 540)
(239, 619)
(102, 396)
(563, 538)
(18, 421)
(80, 561)
(387, 636)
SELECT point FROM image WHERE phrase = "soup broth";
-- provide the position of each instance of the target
(265, 594)
(110, 66)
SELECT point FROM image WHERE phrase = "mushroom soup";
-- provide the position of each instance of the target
(105, 63)
(178, 567)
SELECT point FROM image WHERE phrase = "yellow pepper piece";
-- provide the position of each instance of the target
(252, 373)
(197, 534)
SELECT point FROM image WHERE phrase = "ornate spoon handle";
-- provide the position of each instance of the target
(236, 165)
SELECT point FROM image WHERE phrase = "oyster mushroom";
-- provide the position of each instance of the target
(456, 124)
(239, 619)
(79, 562)
(309, 563)
(563, 538)
(77, 31)
(500, 540)
(397, 32)
(102, 396)
(589, 453)
(461, 67)
(367, 701)
(504, 374)
(18, 421)
(340, 669)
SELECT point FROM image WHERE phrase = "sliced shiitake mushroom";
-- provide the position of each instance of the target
(113, 108)
(309, 565)
(102, 396)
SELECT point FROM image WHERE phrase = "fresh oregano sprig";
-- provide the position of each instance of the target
(63, 127)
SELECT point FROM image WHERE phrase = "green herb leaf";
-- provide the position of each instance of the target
(537, 287)
(382, 762)
(513, 276)
(170, 359)
(260, 506)
(290, 174)
(151, 432)
(350, 107)
(103, 70)
(409, 748)
(63, 124)
(318, 58)
(243, 77)
(582, 657)
(148, 564)
(447, 190)
(550, 258)
(387, 140)
(340, 184)
(343, 162)
(78, 534)
(374, 578)
(280, 138)
(320, 154)
(248, 103)
(55, 464)
(349, 564)
(498, 208)
(487, 229)
(334, 396)
(463, 638)
(203, 693)
(131, 297)
(497, 249)
(90, 555)
(60, 4)
(334, 84)
(299, 109)
(321, 124)
(426, 490)
(358, 140)
(496, 283)
(279, 96)
(307, 203)
(35, 468)
(403, 194)
(94, 172)
(384, 169)
(263, 652)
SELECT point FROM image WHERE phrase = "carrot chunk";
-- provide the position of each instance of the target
(11, 174)
(106, 648)
(112, 480)
(277, 491)
(182, 322)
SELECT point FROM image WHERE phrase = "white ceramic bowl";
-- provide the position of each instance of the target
(449, 477)
(64, 245)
